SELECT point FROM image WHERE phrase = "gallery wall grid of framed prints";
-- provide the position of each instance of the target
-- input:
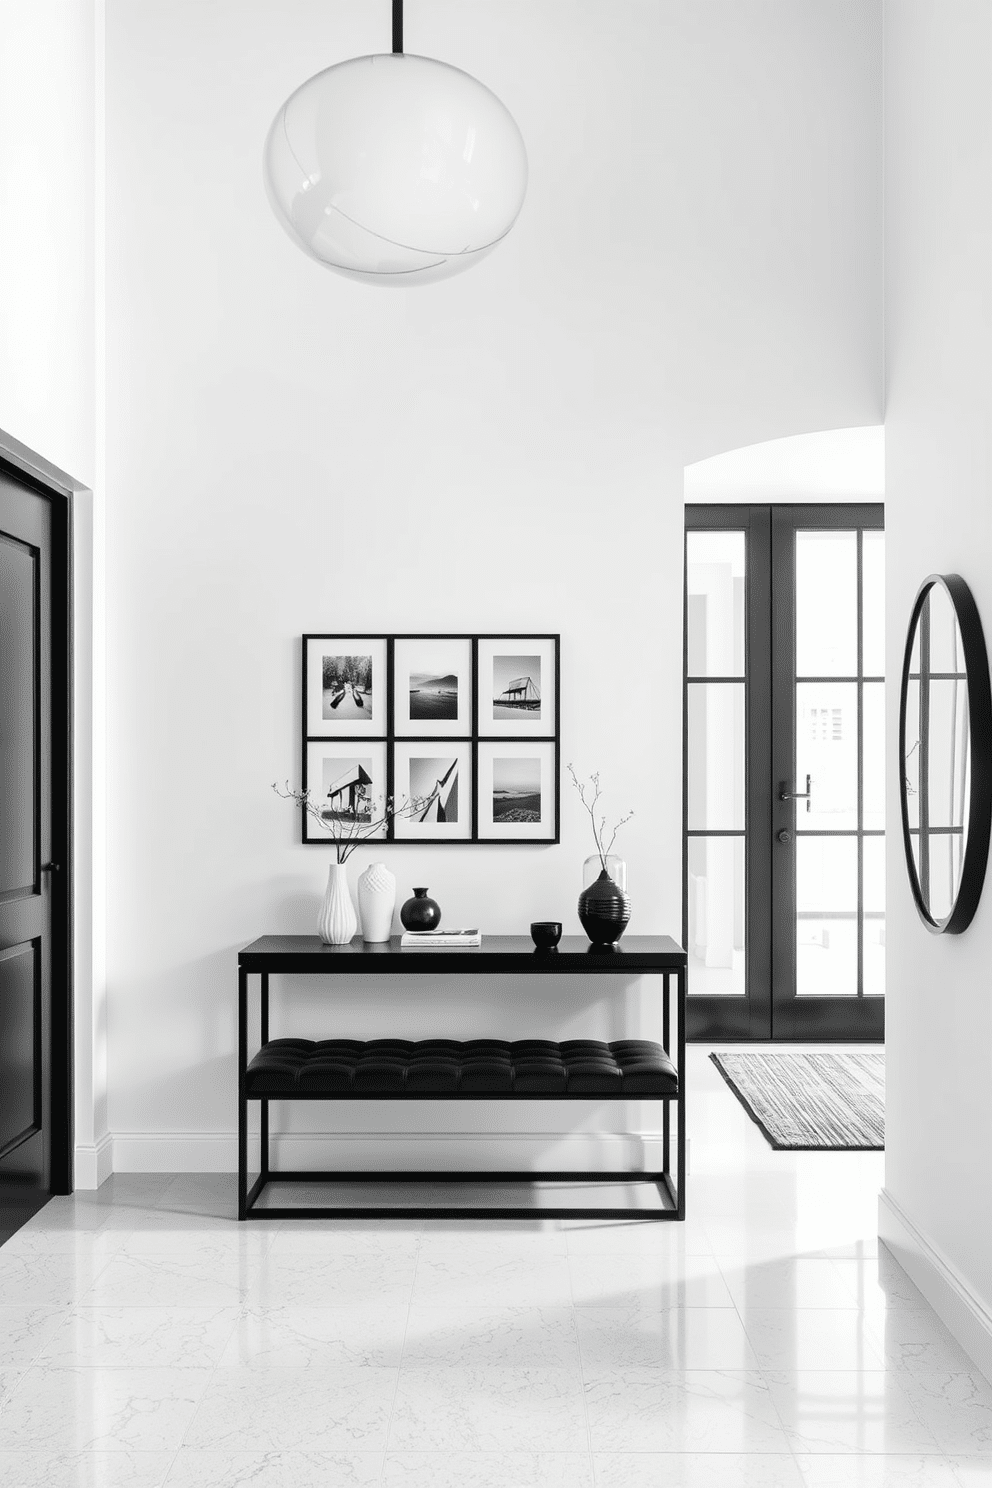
(462, 728)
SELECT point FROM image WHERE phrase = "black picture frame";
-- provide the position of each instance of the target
(466, 731)
(979, 699)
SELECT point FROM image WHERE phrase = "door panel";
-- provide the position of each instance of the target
(821, 595)
(26, 784)
(784, 779)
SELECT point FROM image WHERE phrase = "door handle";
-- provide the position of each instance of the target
(786, 795)
(49, 868)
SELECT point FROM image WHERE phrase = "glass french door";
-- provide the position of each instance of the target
(784, 748)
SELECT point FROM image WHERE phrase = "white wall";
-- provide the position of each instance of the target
(937, 1206)
(47, 245)
(697, 268)
(51, 332)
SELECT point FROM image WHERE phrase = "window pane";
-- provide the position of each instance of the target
(715, 603)
(874, 958)
(826, 604)
(874, 871)
(950, 754)
(873, 968)
(873, 603)
(826, 874)
(827, 751)
(946, 651)
(716, 755)
(946, 852)
(827, 958)
(911, 759)
(716, 916)
(874, 755)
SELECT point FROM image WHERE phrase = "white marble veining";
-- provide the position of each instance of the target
(542, 1337)
(487, 1409)
(305, 1337)
(696, 1470)
(663, 1410)
(149, 1341)
(95, 1409)
(320, 1409)
(24, 1331)
(196, 1469)
(140, 1337)
(668, 1338)
(504, 1469)
(84, 1469)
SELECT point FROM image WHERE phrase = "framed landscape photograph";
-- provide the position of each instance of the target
(432, 686)
(435, 778)
(347, 783)
(518, 791)
(345, 686)
(518, 686)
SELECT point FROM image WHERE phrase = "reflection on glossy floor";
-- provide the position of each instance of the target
(147, 1339)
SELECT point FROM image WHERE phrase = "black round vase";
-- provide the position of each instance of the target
(420, 913)
(604, 910)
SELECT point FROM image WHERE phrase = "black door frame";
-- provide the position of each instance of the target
(761, 1016)
(36, 474)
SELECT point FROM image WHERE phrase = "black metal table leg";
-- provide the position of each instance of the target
(242, 1093)
(264, 1112)
(682, 993)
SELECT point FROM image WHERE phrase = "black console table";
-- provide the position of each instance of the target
(480, 1069)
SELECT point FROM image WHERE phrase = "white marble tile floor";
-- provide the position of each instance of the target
(149, 1341)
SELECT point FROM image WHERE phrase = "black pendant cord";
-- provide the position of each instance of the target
(397, 26)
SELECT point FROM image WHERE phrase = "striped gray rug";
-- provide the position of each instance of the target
(816, 1102)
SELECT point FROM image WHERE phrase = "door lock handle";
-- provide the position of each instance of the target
(49, 868)
(784, 836)
(786, 795)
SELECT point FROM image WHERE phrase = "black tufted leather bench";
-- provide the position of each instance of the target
(434, 1069)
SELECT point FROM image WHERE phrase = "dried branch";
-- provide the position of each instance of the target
(600, 828)
(344, 835)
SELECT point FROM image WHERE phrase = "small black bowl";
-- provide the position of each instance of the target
(546, 934)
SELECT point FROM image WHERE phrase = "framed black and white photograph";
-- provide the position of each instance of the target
(345, 686)
(434, 780)
(347, 785)
(460, 731)
(518, 791)
(518, 687)
(432, 686)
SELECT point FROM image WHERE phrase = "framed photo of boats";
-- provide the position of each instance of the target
(345, 686)
(460, 731)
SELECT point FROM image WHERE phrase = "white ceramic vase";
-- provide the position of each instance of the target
(338, 921)
(376, 902)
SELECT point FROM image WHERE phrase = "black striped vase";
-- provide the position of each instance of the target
(604, 910)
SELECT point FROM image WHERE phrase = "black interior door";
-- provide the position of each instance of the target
(32, 826)
(784, 912)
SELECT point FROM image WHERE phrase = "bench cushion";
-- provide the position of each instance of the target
(479, 1068)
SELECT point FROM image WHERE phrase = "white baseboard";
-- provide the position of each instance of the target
(217, 1152)
(93, 1163)
(947, 1291)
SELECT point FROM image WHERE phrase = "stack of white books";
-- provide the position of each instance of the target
(439, 940)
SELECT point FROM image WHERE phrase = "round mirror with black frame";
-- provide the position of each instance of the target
(945, 754)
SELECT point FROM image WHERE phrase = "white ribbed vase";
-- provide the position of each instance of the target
(337, 921)
(376, 902)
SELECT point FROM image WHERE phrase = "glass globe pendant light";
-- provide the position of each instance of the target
(395, 169)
